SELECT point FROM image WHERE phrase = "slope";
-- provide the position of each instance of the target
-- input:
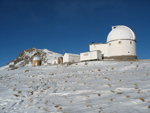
(85, 87)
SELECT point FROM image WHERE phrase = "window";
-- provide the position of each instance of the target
(86, 54)
(130, 42)
(109, 44)
(119, 42)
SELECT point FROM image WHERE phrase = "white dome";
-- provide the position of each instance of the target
(121, 32)
(36, 58)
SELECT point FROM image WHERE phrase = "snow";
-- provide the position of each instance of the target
(50, 55)
(50, 58)
(11, 63)
(46, 50)
(19, 63)
(85, 87)
(4, 67)
(36, 58)
(30, 54)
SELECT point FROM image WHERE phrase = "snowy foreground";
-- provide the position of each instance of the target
(91, 87)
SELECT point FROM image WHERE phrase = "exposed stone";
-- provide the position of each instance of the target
(26, 59)
(122, 58)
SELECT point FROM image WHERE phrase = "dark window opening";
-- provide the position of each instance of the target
(119, 42)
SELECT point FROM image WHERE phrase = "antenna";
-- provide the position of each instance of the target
(63, 51)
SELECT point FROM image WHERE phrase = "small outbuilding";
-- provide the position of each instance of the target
(92, 55)
(55, 61)
(59, 60)
(36, 61)
(120, 45)
(71, 58)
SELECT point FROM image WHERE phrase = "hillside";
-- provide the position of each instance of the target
(26, 57)
(85, 87)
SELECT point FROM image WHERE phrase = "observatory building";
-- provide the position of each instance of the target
(120, 45)
(36, 61)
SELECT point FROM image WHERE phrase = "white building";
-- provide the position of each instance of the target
(92, 55)
(121, 44)
(68, 57)
(55, 61)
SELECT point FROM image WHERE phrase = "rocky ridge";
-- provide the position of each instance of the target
(26, 57)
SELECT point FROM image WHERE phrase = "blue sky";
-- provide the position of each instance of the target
(69, 25)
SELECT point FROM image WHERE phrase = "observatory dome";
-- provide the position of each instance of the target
(36, 58)
(121, 32)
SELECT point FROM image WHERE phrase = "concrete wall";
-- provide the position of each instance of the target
(123, 58)
(102, 47)
(122, 48)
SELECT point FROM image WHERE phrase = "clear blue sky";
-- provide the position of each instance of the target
(69, 25)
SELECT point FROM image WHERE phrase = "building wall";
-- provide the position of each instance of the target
(60, 60)
(71, 58)
(122, 48)
(65, 58)
(102, 47)
(92, 55)
(74, 58)
(36, 63)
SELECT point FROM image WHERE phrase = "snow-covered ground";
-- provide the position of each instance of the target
(85, 87)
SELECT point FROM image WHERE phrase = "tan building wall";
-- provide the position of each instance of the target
(60, 60)
(36, 63)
